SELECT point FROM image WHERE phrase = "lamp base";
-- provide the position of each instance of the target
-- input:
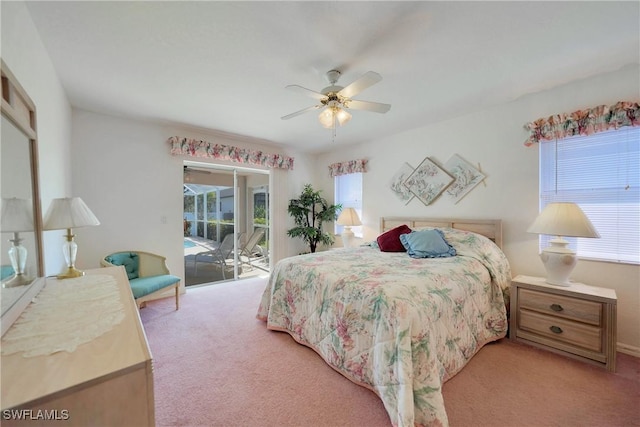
(347, 237)
(70, 273)
(559, 265)
(17, 280)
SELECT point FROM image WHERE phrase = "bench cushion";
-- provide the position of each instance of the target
(6, 271)
(130, 261)
(146, 285)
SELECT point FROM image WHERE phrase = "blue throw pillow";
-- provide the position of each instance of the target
(129, 260)
(427, 244)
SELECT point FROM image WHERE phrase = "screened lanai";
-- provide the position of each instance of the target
(215, 214)
(204, 213)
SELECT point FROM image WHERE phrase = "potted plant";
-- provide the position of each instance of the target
(309, 212)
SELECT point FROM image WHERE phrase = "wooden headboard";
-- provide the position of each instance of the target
(491, 228)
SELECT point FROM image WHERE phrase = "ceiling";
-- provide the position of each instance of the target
(223, 66)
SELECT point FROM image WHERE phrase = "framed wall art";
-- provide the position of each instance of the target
(466, 177)
(427, 181)
(397, 183)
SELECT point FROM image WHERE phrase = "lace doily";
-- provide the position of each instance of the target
(64, 315)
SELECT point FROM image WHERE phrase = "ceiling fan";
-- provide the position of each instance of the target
(336, 100)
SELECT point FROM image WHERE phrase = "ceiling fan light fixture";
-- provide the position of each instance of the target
(326, 118)
(343, 116)
(333, 115)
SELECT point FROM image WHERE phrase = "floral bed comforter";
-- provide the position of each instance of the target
(398, 325)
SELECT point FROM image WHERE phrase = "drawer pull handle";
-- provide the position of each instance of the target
(556, 307)
(555, 329)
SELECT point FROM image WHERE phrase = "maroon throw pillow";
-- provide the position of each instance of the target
(389, 241)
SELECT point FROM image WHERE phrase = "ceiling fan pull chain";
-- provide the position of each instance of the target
(333, 130)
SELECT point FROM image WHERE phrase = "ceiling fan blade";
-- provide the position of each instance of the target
(376, 107)
(308, 92)
(297, 113)
(367, 79)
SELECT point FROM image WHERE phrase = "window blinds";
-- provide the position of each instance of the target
(601, 173)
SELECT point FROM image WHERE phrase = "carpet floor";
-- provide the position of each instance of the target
(215, 364)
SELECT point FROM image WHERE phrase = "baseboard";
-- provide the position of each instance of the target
(628, 349)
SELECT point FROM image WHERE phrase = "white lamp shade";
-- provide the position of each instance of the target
(563, 219)
(17, 215)
(349, 217)
(69, 212)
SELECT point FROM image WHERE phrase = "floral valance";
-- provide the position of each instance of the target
(197, 148)
(583, 122)
(352, 166)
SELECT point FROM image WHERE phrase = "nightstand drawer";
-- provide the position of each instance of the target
(560, 306)
(561, 330)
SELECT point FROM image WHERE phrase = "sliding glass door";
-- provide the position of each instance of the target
(226, 224)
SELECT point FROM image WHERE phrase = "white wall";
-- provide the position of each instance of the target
(25, 55)
(125, 173)
(494, 138)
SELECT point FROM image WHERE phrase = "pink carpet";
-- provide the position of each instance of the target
(215, 364)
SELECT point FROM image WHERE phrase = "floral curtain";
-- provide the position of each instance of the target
(352, 166)
(583, 122)
(197, 148)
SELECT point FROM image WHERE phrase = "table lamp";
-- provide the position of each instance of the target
(17, 216)
(69, 212)
(561, 219)
(348, 218)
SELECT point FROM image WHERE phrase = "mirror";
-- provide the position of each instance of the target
(21, 260)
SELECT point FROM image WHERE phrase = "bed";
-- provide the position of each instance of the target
(398, 325)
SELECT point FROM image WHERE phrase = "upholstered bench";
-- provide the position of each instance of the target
(148, 274)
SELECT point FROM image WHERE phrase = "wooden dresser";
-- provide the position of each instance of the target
(577, 320)
(107, 381)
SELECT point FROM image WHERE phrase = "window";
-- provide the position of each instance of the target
(348, 192)
(601, 173)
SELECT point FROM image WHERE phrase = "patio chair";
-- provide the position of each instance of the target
(218, 255)
(248, 249)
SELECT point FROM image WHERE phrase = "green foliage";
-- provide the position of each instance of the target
(309, 212)
(260, 212)
(226, 227)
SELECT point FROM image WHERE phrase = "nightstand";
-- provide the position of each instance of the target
(578, 321)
